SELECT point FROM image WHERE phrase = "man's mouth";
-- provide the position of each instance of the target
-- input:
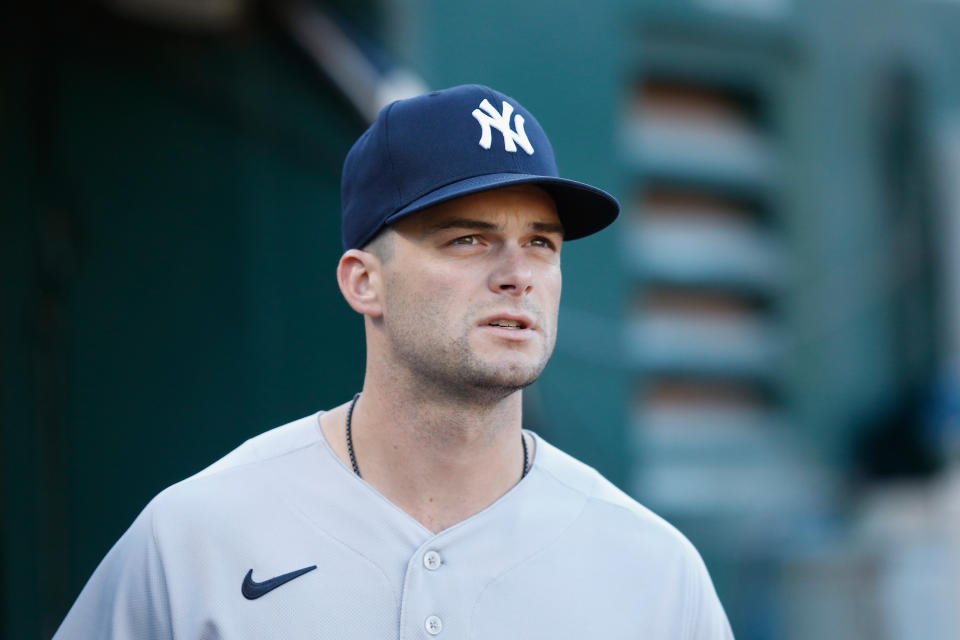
(509, 324)
(512, 321)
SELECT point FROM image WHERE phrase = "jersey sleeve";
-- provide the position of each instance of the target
(126, 597)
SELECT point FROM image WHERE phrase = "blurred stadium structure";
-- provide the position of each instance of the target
(765, 349)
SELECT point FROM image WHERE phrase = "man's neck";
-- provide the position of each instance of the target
(439, 460)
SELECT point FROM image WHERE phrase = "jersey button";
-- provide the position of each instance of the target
(433, 625)
(432, 560)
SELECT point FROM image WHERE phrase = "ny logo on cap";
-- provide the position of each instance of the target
(501, 121)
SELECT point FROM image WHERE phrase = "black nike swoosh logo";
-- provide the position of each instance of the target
(252, 590)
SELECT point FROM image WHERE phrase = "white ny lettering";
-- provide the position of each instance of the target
(501, 121)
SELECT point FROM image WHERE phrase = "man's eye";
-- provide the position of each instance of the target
(542, 242)
(468, 240)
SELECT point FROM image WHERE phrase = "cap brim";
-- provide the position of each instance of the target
(582, 209)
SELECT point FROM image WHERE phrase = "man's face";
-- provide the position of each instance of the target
(472, 289)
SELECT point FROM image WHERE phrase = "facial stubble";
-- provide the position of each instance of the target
(447, 363)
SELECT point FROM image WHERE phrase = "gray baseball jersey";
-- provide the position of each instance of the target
(230, 553)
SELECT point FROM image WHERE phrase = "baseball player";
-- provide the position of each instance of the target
(420, 508)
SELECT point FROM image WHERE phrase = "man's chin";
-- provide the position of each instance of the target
(510, 377)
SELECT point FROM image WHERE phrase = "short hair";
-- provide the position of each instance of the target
(382, 245)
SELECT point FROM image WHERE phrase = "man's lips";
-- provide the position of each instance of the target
(509, 322)
(511, 327)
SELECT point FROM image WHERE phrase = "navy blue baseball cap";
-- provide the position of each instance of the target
(442, 145)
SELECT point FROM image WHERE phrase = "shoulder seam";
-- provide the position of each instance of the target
(163, 570)
(592, 497)
(593, 472)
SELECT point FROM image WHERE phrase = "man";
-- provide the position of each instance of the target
(420, 508)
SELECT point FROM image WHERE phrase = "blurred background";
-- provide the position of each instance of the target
(765, 348)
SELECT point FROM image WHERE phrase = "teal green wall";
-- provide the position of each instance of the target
(171, 237)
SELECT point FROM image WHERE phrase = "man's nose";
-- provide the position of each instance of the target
(512, 273)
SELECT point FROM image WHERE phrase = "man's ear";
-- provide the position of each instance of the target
(359, 274)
